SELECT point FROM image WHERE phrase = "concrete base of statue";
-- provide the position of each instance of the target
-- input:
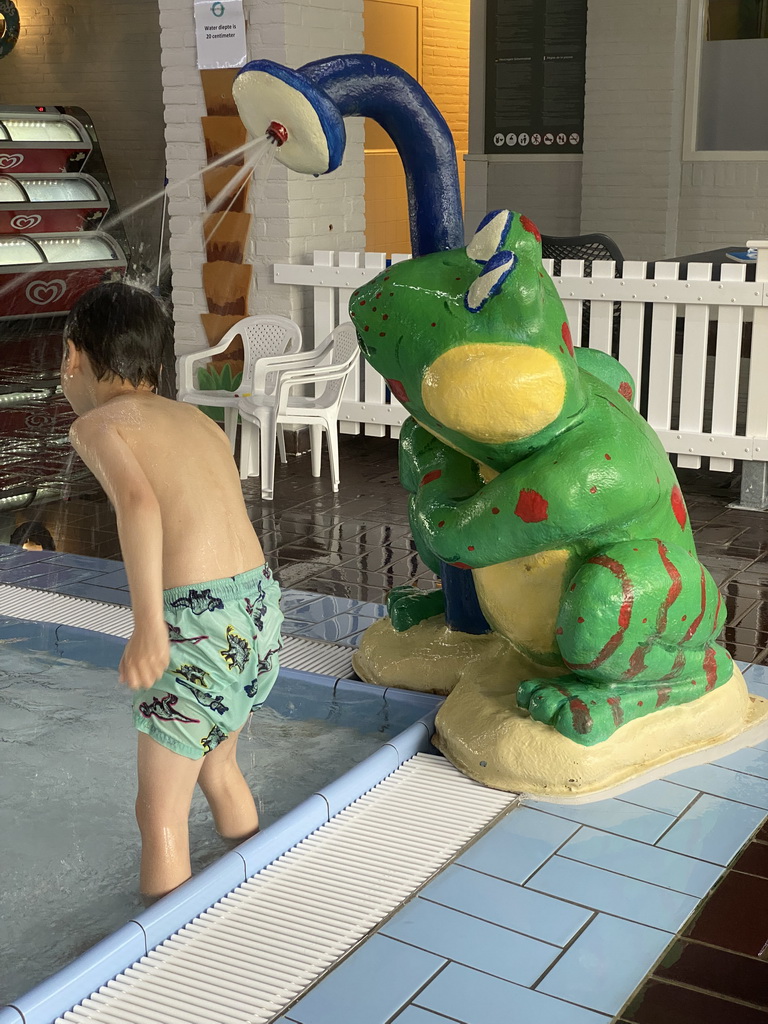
(483, 732)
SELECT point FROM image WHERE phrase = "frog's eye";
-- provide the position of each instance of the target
(488, 238)
(489, 282)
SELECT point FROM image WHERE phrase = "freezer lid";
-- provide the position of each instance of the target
(11, 191)
(24, 129)
(66, 188)
(18, 251)
(86, 247)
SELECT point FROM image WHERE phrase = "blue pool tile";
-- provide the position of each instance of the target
(293, 599)
(605, 964)
(614, 894)
(118, 578)
(471, 942)
(369, 987)
(713, 829)
(613, 816)
(43, 576)
(749, 760)
(475, 998)
(410, 1015)
(757, 673)
(645, 863)
(331, 630)
(96, 565)
(506, 904)
(660, 795)
(94, 593)
(518, 845)
(710, 778)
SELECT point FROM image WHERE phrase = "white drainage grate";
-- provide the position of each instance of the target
(43, 606)
(260, 947)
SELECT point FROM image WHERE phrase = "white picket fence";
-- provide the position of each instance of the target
(697, 348)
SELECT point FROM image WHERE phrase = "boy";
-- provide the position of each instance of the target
(205, 606)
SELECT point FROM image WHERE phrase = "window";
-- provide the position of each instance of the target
(727, 80)
(737, 19)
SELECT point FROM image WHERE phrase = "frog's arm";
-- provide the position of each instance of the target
(424, 458)
(586, 482)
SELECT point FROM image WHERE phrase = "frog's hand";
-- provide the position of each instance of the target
(408, 606)
(424, 457)
(607, 369)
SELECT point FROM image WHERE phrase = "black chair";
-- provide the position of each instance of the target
(588, 248)
(580, 247)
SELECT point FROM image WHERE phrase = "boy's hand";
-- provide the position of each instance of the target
(145, 657)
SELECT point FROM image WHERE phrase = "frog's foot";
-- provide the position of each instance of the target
(408, 606)
(590, 714)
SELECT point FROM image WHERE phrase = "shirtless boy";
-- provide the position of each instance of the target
(206, 632)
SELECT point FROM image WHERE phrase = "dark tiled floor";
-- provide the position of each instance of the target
(357, 544)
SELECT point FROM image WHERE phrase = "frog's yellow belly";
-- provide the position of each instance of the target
(521, 599)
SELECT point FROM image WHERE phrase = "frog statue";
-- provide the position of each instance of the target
(575, 631)
(529, 467)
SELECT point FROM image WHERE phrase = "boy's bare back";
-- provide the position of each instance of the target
(140, 439)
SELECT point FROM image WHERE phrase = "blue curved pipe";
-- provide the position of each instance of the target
(361, 85)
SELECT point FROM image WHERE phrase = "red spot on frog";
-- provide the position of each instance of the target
(593, 490)
(625, 390)
(566, 332)
(398, 390)
(441, 524)
(531, 507)
(435, 474)
(608, 456)
(495, 511)
(678, 506)
(530, 227)
(471, 547)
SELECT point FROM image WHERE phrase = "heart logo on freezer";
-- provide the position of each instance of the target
(25, 221)
(10, 160)
(44, 292)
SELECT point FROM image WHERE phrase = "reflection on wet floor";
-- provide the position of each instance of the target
(357, 543)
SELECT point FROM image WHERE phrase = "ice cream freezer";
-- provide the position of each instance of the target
(45, 203)
(42, 144)
(44, 275)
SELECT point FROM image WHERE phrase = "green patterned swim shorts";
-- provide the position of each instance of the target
(225, 639)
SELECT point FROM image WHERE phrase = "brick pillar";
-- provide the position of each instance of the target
(291, 213)
(633, 123)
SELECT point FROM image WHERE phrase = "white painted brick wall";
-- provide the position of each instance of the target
(292, 214)
(103, 57)
(633, 122)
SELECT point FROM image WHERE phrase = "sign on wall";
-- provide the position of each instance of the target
(220, 27)
(534, 76)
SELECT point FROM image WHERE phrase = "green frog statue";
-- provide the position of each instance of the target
(529, 467)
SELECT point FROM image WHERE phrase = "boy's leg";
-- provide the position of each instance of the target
(227, 792)
(166, 783)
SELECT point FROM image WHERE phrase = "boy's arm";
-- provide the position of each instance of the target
(139, 525)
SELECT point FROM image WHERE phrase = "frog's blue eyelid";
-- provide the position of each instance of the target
(490, 281)
(490, 235)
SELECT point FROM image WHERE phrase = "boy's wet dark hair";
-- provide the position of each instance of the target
(123, 330)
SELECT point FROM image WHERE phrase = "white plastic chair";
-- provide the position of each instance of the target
(266, 410)
(263, 336)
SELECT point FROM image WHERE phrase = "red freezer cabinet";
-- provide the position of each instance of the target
(43, 144)
(44, 275)
(44, 203)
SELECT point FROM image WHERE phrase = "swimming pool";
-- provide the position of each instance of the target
(70, 858)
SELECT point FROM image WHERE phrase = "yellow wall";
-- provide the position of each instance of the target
(430, 39)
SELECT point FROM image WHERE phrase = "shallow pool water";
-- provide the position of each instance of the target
(68, 841)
